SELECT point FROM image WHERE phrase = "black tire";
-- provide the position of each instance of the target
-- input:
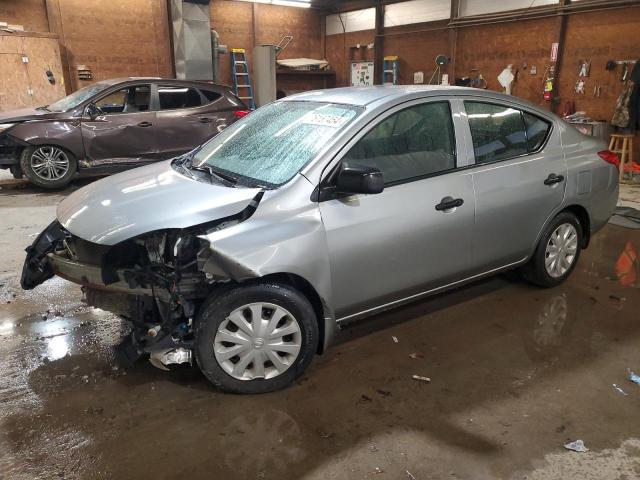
(219, 306)
(535, 271)
(57, 183)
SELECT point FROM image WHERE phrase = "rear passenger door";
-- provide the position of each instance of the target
(519, 180)
(397, 244)
(183, 119)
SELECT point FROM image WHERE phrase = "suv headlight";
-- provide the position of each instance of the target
(5, 126)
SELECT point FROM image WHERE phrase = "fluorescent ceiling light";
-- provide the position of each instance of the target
(286, 3)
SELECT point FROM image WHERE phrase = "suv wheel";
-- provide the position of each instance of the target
(256, 338)
(48, 166)
(557, 253)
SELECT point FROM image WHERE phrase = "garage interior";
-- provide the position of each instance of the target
(488, 381)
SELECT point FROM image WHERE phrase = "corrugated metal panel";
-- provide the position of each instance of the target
(353, 21)
(477, 7)
(416, 11)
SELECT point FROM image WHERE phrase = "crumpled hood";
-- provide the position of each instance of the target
(24, 114)
(145, 199)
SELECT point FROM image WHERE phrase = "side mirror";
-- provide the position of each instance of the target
(92, 111)
(354, 178)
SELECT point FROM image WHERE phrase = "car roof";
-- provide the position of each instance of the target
(386, 95)
(199, 83)
(363, 96)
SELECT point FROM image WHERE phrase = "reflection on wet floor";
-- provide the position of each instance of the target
(515, 372)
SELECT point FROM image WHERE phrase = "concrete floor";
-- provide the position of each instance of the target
(515, 372)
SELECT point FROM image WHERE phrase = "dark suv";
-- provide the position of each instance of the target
(113, 125)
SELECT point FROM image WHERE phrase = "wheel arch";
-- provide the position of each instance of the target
(581, 213)
(585, 221)
(325, 324)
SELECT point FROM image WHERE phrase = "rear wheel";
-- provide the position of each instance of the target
(256, 338)
(48, 166)
(557, 253)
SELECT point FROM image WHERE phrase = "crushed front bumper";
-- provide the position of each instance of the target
(90, 275)
(47, 257)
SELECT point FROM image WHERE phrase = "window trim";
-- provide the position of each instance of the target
(522, 110)
(324, 191)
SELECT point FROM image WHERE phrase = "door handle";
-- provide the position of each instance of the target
(553, 179)
(448, 203)
(145, 124)
(205, 120)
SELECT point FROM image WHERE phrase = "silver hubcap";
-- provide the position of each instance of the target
(258, 340)
(49, 163)
(561, 250)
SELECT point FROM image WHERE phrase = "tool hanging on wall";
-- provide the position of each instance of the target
(584, 68)
(441, 61)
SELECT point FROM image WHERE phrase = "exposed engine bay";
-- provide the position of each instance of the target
(155, 281)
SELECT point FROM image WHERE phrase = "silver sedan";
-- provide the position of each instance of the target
(323, 208)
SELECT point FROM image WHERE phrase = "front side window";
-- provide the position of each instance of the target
(174, 97)
(411, 143)
(126, 100)
(275, 142)
(498, 131)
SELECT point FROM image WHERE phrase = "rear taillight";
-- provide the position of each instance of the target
(610, 157)
(241, 113)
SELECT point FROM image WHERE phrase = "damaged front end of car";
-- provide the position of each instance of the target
(156, 281)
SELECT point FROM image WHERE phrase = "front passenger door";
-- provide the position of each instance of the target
(124, 132)
(397, 244)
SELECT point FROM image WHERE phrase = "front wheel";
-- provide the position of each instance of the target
(255, 338)
(48, 166)
(557, 253)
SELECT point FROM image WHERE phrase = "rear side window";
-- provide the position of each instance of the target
(537, 131)
(498, 131)
(411, 143)
(210, 96)
(173, 97)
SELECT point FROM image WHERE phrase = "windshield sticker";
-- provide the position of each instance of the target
(324, 120)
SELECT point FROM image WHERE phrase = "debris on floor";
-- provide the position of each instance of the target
(633, 377)
(619, 389)
(577, 446)
(416, 355)
(395, 339)
(410, 476)
(420, 378)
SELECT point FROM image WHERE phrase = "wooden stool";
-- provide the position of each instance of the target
(622, 144)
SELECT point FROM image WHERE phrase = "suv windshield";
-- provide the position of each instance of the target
(77, 97)
(272, 144)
